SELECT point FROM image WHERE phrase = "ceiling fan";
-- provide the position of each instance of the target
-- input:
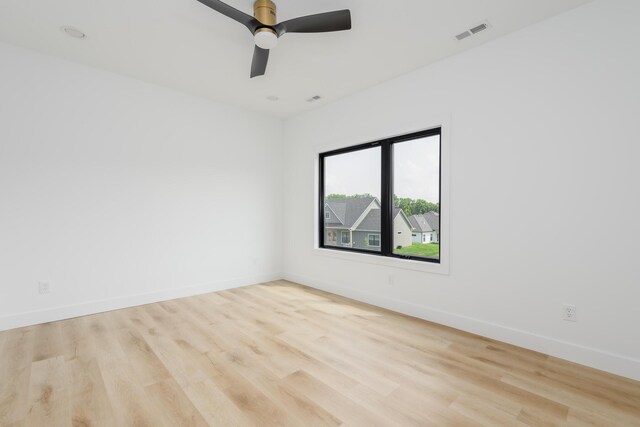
(266, 31)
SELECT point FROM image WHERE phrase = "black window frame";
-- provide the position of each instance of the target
(386, 187)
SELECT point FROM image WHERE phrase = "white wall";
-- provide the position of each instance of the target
(544, 155)
(118, 192)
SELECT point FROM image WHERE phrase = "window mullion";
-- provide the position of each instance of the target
(386, 237)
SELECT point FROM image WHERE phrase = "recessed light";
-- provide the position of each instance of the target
(73, 32)
(272, 98)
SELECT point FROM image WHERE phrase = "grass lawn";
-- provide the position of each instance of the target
(431, 250)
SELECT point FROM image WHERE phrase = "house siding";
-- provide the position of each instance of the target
(361, 238)
(338, 237)
(404, 238)
(368, 223)
(430, 237)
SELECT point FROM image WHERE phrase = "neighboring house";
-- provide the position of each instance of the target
(401, 229)
(426, 228)
(342, 216)
(354, 222)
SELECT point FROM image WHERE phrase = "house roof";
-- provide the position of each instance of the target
(419, 223)
(425, 223)
(350, 209)
(433, 218)
(373, 220)
(337, 218)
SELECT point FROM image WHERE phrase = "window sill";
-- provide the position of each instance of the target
(405, 264)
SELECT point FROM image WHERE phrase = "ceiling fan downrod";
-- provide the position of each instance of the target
(265, 12)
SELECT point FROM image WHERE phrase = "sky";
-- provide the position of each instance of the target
(416, 170)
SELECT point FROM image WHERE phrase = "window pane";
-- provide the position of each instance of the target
(352, 199)
(416, 200)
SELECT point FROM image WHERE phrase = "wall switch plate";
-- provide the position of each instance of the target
(392, 280)
(569, 312)
(43, 287)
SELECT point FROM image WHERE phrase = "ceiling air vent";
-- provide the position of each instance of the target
(464, 35)
(477, 29)
(314, 98)
(473, 31)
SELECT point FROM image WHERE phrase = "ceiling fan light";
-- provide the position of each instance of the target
(265, 38)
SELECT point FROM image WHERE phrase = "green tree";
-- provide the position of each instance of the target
(414, 207)
(344, 196)
(406, 204)
(420, 206)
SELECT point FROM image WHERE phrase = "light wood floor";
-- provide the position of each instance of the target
(282, 354)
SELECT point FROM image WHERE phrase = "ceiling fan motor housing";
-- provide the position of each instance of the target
(265, 12)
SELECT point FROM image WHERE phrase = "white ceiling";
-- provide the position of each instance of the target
(184, 45)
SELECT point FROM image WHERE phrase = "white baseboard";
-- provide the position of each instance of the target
(595, 358)
(100, 306)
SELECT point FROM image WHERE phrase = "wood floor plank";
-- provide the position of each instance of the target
(47, 341)
(574, 396)
(76, 339)
(347, 366)
(215, 406)
(334, 402)
(270, 384)
(89, 403)
(403, 411)
(130, 402)
(485, 413)
(104, 345)
(145, 363)
(253, 403)
(181, 366)
(15, 374)
(173, 406)
(280, 354)
(48, 396)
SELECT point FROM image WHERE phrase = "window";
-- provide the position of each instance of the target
(384, 197)
(352, 196)
(345, 238)
(416, 194)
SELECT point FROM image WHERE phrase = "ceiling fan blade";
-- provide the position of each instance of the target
(259, 63)
(338, 20)
(247, 20)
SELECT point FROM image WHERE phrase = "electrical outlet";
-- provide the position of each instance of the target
(392, 280)
(43, 287)
(569, 312)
